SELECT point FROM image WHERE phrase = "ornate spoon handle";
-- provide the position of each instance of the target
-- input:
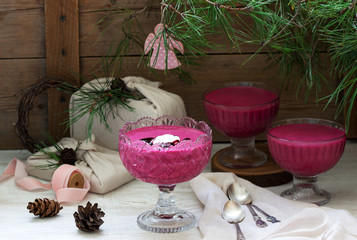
(269, 217)
(258, 221)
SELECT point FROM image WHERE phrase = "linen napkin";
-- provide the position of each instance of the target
(299, 221)
(101, 166)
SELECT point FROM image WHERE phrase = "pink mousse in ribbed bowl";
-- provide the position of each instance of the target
(161, 164)
(241, 111)
(306, 147)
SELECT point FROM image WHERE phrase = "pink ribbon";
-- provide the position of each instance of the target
(59, 181)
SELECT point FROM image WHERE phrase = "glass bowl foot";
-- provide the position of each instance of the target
(242, 159)
(305, 189)
(178, 222)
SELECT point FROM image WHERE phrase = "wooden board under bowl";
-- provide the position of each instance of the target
(267, 175)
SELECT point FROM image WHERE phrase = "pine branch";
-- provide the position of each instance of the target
(286, 26)
(295, 36)
(169, 6)
(229, 8)
(100, 100)
(136, 13)
(55, 155)
(352, 5)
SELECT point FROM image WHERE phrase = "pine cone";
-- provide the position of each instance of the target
(68, 156)
(89, 218)
(117, 83)
(44, 207)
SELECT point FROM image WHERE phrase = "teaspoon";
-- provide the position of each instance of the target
(233, 213)
(241, 195)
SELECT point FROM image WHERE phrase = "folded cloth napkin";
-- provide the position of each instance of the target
(156, 102)
(101, 166)
(299, 221)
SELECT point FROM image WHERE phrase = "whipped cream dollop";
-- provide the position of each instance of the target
(164, 141)
(166, 138)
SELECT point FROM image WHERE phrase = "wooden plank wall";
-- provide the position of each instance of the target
(62, 57)
(23, 62)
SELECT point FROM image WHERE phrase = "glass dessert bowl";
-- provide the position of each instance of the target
(242, 110)
(306, 147)
(165, 151)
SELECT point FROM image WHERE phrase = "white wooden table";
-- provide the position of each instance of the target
(122, 205)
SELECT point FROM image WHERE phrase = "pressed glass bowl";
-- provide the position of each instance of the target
(306, 147)
(165, 166)
(241, 110)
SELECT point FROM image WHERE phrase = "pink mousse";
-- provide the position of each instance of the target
(241, 112)
(306, 149)
(165, 166)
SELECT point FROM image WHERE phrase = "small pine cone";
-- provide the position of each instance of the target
(44, 207)
(89, 218)
(68, 156)
(117, 83)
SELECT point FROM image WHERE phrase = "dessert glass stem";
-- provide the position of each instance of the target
(166, 217)
(243, 145)
(243, 154)
(166, 206)
(305, 189)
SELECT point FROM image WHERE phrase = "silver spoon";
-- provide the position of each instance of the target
(232, 212)
(241, 195)
(270, 218)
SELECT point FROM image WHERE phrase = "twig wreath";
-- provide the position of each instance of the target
(26, 104)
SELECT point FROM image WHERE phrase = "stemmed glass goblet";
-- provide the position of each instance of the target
(165, 164)
(306, 147)
(241, 110)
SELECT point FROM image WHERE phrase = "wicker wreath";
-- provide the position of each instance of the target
(26, 104)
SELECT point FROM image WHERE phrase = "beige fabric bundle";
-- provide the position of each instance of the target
(156, 103)
(101, 166)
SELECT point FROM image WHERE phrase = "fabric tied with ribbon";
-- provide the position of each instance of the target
(101, 166)
(156, 102)
(68, 181)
